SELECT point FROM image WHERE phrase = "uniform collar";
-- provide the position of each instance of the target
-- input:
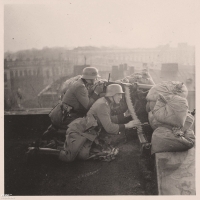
(108, 100)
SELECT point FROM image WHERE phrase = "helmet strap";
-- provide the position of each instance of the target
(87, 85)
(84, 81)
(114, 100)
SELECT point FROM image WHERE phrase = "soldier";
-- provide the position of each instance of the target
(83, 132)
(75, 103)
(19, 97)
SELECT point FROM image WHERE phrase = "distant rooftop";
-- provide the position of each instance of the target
(186, 75)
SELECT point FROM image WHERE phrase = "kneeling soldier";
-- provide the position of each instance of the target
(75, 102)
(83, 132)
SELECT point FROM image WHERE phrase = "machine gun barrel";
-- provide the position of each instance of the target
(138, 85)
(144, 86)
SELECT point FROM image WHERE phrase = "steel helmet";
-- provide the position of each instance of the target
(90, 73)
(113, 89)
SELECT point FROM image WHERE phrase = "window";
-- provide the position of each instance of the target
(38, 72)
(11, 74)
(5, 77)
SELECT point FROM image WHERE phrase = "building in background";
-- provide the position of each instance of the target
(171, 71)
(31, 71)
(105, 58)
(30, 76)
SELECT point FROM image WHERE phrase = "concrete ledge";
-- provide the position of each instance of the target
(24, 125)
(176, 172)
(29, 111)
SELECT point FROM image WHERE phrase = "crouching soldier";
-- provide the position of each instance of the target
(75, 103)
(84, 135)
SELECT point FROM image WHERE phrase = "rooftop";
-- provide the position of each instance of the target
(186, 75)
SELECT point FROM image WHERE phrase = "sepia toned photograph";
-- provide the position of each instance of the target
(99, 98)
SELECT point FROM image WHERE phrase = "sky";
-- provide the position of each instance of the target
(122, 23)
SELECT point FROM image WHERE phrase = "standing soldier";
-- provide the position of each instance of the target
(76, 101)
(19, 97)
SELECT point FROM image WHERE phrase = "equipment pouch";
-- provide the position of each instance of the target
(66, 109)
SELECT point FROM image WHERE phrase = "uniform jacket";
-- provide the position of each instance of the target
(77, 96)
(79, 138)
(101, 110)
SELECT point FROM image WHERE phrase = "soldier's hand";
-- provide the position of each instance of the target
(133, 123)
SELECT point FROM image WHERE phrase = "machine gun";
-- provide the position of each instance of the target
(136, 85)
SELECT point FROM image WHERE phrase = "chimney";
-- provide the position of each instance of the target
(114, 73)
(125, 66)
(131, 70)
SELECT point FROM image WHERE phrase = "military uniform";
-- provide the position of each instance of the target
(77, 99)
(79, 137)
(101, 110)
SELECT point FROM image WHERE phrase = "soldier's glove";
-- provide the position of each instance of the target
(133, 123)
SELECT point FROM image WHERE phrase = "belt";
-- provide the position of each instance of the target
(66, 110)
(66, 107)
